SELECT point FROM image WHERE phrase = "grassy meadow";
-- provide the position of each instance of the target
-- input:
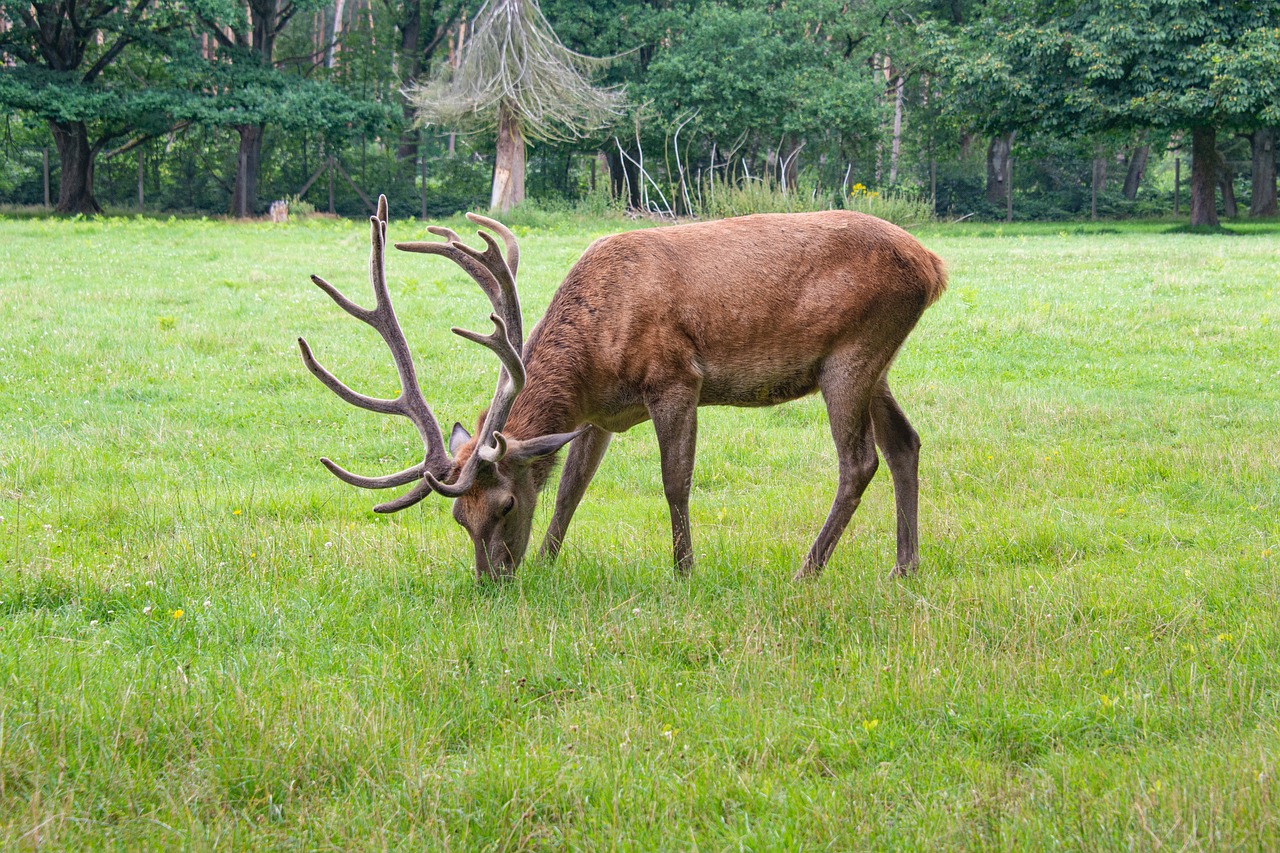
(206, 641)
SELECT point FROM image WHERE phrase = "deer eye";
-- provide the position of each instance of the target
(507, 505)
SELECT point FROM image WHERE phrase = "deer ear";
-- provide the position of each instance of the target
(544, 445)
(457, 438)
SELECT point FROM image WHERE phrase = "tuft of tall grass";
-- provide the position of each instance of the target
(900, 207)
(560, 214)
(721, 196)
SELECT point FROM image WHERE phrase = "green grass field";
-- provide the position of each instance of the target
(207, 641)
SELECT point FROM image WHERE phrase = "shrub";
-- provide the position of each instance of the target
(299, 208)
(897, 206)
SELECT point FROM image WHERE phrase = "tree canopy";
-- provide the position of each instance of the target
(880, 93)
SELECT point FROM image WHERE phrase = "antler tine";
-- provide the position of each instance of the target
(410, 403)
(495, 274)
(456, 489)
(447, 233)
(507, 301)
(411, 497)
(482, 275)
(343, 302)
(500, 344)
(508, 239)
(408, 475)
(337, 386)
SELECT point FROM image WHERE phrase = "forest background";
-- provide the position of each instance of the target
(1001, 109)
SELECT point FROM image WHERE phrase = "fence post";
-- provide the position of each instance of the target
(1008, 188)
(46, 178)
(141, 175)
(1177, 182)
(331, 185)
(1093, 190)
(422, 154)
(933, 184)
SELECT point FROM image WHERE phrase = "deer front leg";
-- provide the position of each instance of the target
(675, 420)
(900, 445)
(580, 466)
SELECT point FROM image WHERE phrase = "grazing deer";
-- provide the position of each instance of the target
(650, 325)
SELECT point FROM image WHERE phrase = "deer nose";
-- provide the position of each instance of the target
(494, 564)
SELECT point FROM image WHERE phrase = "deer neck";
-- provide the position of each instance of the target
(545, 406)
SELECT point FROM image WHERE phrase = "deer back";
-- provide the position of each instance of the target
(747, 308)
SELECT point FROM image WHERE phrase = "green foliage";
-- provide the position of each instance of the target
(247, 94)
(1001, 76)
(1246, 78)
(1100, 65)
(87, 63)
(21, 166)
(754, 70)
(298, 208)
(456, 184)
(1164, 63)
(751, 82)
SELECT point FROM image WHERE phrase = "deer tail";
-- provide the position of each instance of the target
(935, 279)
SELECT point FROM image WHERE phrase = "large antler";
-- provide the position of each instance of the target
(410, 402)
(496, 276)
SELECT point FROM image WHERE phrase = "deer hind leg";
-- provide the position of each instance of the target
(675, 420)
(580, 466)
(900, 445)
(847, 394)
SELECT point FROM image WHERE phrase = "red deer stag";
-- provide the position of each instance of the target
(650, 325)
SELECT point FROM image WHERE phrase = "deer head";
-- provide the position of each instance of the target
(488, 475)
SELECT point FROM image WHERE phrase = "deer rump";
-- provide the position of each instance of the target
(651, 325)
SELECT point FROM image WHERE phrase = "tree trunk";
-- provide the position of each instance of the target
(997, 167)
(408, 149)
(410, 33)
(75, 158)
(1204, 178)
(332, 49)
(266, 19)
(1226, 180)
(508, 166)
(1137, 168)
(244, 198)
(1264, 173)
(896, 148)
(624, 178)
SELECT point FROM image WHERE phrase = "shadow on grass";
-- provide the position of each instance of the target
(1205, 230)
